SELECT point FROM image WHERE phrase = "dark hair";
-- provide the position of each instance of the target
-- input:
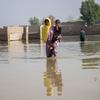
(46, 20)
(57, 21)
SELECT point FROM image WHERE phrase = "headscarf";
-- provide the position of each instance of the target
(46, 30)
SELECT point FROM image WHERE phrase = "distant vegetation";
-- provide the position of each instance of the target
(90, 12)
(34, 21)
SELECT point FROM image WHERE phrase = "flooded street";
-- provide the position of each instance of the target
(26, 73)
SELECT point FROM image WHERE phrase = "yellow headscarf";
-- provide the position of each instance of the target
(45, 31)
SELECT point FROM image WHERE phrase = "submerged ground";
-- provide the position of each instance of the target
(26, 74)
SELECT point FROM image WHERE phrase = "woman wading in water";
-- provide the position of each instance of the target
(56, 38)
(51, 35)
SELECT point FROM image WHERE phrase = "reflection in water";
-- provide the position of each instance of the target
(20, 78)
(90, 50)
(90, 47)
(91, 62)
(4, 57)
(16, 49)
(52, 77)
(3, 43)
(16, 52)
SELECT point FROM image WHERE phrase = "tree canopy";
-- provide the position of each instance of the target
(34, 21)
(90, 11)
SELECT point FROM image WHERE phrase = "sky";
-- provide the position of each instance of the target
(18, 12)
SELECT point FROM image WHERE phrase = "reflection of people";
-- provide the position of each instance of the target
(89, 47)
(82, 35)
(82, 47)
(52, 78)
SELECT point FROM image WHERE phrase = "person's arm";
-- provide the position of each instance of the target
(60, 29)
(59, 36)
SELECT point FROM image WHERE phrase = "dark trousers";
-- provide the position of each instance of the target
(50, 50)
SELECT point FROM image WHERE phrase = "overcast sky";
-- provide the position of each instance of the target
(15, 12)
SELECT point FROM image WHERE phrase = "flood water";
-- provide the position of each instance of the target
(26, 73)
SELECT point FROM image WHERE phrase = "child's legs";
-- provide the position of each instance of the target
(56, 45)
(48, 51)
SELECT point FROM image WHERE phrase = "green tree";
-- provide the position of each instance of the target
(98, 11)
(90, 11)
(34, 21)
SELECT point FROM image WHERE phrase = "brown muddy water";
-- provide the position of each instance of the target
(26, 74)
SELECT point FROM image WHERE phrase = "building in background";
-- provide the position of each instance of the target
(11, 33)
